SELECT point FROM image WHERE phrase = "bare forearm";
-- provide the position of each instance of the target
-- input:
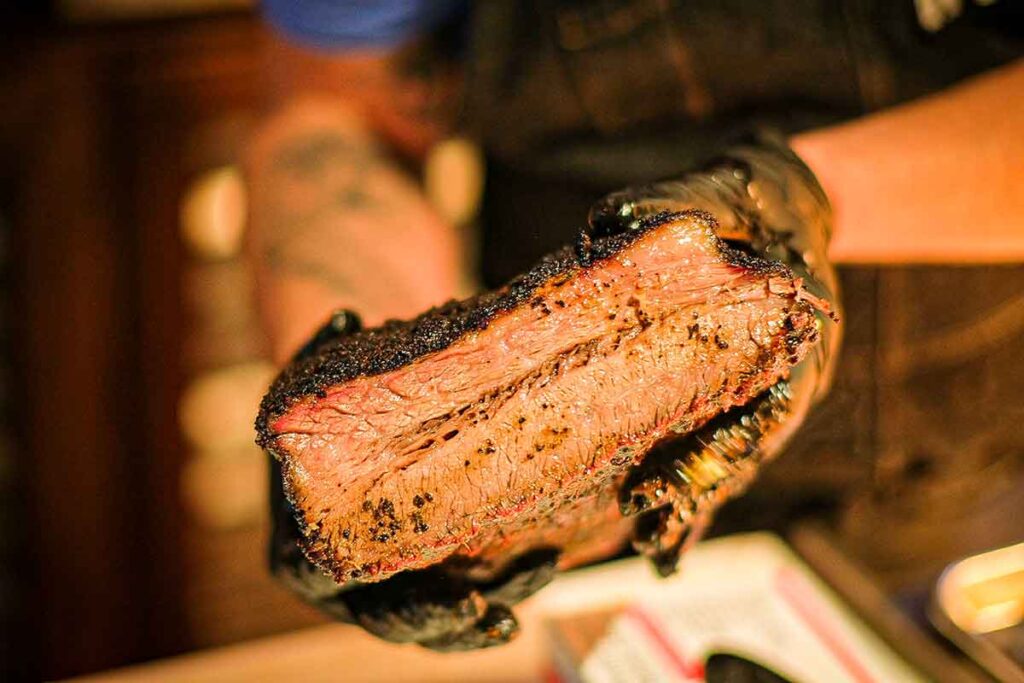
(937, 180)
(336, 224)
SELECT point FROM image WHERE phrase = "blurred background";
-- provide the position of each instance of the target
(132, 498)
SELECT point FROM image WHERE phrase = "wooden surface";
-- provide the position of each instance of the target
(334, 653)
(346, 653)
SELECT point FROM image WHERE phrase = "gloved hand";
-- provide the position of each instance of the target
(768, 203)
(765, 202)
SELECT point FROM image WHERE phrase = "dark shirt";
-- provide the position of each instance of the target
(918, 448)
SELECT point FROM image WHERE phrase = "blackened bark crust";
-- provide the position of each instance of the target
(331, 359)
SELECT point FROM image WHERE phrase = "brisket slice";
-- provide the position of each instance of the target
(492, 427)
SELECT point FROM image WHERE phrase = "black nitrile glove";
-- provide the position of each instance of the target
(766, 202)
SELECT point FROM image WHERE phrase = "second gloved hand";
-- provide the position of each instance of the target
(766, 203)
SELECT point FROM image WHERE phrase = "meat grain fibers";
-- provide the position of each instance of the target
(505, 423)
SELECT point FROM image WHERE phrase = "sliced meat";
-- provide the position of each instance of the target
(491, 427)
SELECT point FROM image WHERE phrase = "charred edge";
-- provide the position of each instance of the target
(317, 545)
(396, 343)
(314, 544)
(288, 561)
(311, 542)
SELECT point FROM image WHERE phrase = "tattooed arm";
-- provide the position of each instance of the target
(335, 223)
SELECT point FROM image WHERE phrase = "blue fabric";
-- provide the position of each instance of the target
(340, 24)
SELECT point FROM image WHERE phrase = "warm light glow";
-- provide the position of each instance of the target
(986, 592)
(225, 490)
(453, 178)
(213, 214)
(216, 410)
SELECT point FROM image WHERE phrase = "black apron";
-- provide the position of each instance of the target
(918, 452)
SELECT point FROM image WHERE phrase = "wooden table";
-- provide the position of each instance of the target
(346, 653)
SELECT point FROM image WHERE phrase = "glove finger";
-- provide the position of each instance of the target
(673, 491)
(416, 607)
(719, 191)
(340, 323)
(443, 610)
(497, 626)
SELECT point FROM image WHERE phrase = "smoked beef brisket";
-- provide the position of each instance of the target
(505, 424)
